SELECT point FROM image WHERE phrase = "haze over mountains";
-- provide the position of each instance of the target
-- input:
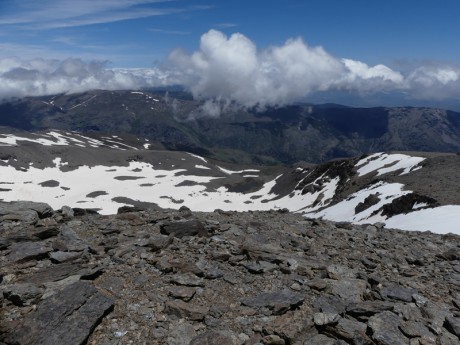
(229, 132)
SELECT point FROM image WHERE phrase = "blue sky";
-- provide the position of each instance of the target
(417, 39)
(141, 33)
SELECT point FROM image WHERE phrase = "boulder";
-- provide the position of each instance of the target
(67, 317)
(184, 228)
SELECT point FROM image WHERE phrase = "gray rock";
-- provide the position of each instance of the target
(447, 338)
(60, 272)
(24, 216)
(260, 267)
(60, 257)
(185, 310)
(113, 284)
(330, 304)
(68, 317)
(257, 251)
(437, 314)
(278, 302)
(182, 292)
(187, 279)
(180, 333)
(5, 242)
(345, 329)
(453, 325)
(184, 228)
(213, 272)
(339, 272)
(67, 212)
(53, 288)
(361, 338)
(319, 339)
(413, 329)
(451, 254)
(398, 293)
(350, 290)
(216, 337)
(72, 241)
(220, 255)
(272, 339)
(385, 329)
(293, 325)
(26, 251)
(158, 242)
(22, 294)
(41, 209)
(323, 319)
(369, 308)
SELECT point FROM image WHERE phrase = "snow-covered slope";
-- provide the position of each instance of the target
(104, 173)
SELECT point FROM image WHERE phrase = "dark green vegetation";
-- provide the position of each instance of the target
(175, 121)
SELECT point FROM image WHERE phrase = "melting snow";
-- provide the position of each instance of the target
(202, 167)
(54, 138)
(345, 210)
(385, 163)
(441, 220)
(199, 157)
(230, 172)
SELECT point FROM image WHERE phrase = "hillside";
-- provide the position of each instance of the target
(111, 238)
(412, 191)
(312, 133)
(233, 278)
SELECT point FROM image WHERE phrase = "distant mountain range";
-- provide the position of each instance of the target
(284, 135)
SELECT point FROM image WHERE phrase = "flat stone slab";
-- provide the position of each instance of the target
(68, 317)
(279, 302)
(25, 251)
(385, 329)
(42, 209)
(185, 310)
(184, 228)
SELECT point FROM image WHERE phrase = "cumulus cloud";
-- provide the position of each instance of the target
(230, 70)
(434, 82)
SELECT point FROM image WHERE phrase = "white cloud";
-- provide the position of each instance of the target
(44, 77)
(435, 82)
(359, 70)
(230, 70)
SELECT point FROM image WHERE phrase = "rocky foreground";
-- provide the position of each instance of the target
(177, 277)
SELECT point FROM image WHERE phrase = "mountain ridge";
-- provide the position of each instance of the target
(283, 135)
(106, 172)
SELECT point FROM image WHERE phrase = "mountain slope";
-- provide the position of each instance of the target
(104, 173)
(287, 134)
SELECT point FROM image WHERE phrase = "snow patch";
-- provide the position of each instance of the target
(440, 220)
(231, 172)
(202, 167)
(198, 157)
(385, 163)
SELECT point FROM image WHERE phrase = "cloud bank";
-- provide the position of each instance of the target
(39, 77)
(229, 69)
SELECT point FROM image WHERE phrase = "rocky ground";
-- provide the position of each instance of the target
(181, 277)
